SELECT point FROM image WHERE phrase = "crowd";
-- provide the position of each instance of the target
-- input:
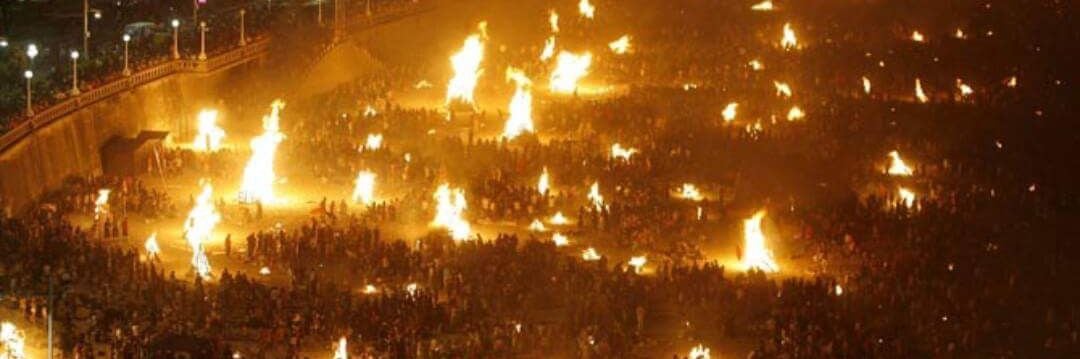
(979, 264)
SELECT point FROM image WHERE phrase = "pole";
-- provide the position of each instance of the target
(202, 41)
(195, 11)
(51, 310)
(29, 95)
(175, 39)
(319, 3)
(127, 70)
(86, 28)
(243, 38)
(75, 73)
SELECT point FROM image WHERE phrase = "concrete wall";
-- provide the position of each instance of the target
(71, 145)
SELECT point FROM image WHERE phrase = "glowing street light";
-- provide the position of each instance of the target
(29, 96)
(202, 41)
(74, 72)
(127, 70)
(31, 52)
(175, 39)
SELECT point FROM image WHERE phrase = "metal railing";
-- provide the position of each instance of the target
(219, 61)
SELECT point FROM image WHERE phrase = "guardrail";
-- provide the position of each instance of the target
(227, 59)
(45, 117)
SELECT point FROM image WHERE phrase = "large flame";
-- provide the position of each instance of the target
(919, 93)
(466, 65)
(637, 262)
(586, 9)
(965, 90)
(537, 226)
(763, 6)
(199, 228)
(520, 120)
(544, 183)
(866, 85)
(373, 141)
(795, 114)
(12, 342)
(907, 197)
(259, 177)
(595, 197)
(788, 41)
(618, 152)
(558, 219)
(621, 45)
(730, 111)
(210, 135)
(364, 191)
(897, 167)
(101, 204)
(341, 350)
(917, 36)
(553, 20)
(153, 250)
(559, 239)
(549, 49)
(782, 89)
(755, 254)
(450, 211)
(690, 191)
(569, 68)
(590, 254)
(699, 352)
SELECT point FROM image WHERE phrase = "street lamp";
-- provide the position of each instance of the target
(127, 70)
(319, 16)
(29, 96)
(75, 72)
(202, 41)
(31, 52)
(175, 39)
(243, 40)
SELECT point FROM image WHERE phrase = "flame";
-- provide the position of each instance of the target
(264, 271)
(838, 290)
(907, 197)
(210, 135)
(919, 94)
(959, 34)
(586, 9)
(559, 239)
(690, 192)
(788, 42)
(637, 262)
(782, 89)
(259, 177)
(756, 65)
(101, 204)
(199, 227)
(595, 197)
(618, 152)
(370, 289)
(1011, 82)
(699, 352)
(866, 85)
(544, 184)
(370, 111)
(12, 341)
(569, 68)
(795, 114)
(537, 226)
(755, 254)
(549, 49)
(450, 210)
(763, 6)
(341, 351)
(590, 254)
(151, 245)
(558, 219)
(373, 142)
(520, 105)
(621, 45)
(897, 167)
(729, 111)
(917, 36)
(466, 65)
(553, 20)
(411, 288)
(965, 90)
(364, 191)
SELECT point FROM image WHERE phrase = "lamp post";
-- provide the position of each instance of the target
(202, 41)
(31, 52)
(86, 27)
(74, 72)
(127, 70)
(319, 3)
(175, 39)
(29, 96)
(243, 39)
